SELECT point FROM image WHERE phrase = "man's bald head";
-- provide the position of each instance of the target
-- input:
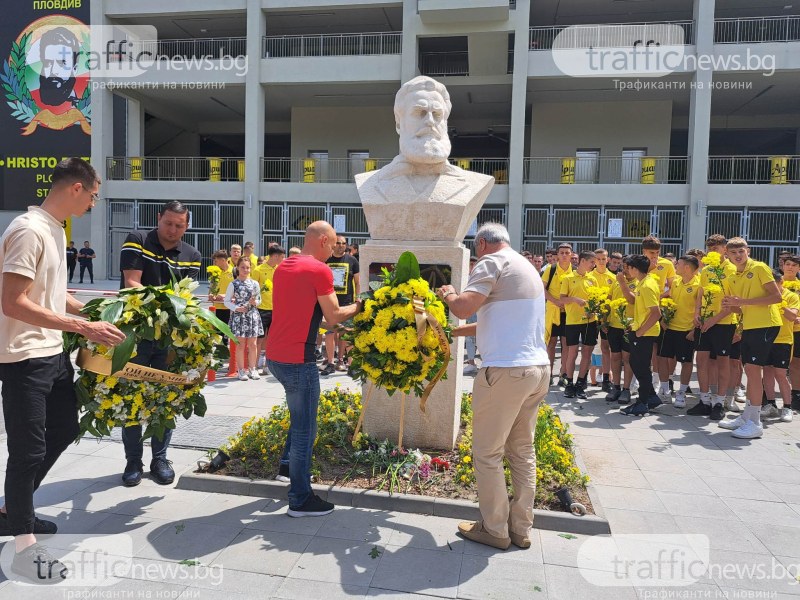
(319, 240)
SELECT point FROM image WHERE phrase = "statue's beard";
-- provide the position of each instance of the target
(431, 147)
(55, 91)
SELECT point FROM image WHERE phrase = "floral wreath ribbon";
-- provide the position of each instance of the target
(424, 319)
(102, 366)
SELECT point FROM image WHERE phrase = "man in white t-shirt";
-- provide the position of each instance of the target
(508, 295)
(39, 402)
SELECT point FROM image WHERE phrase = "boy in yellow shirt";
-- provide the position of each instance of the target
(580, 328)
(677, 345)
(663, 271)
(781, 355)
(618, 345)
(605, 279)
(644, 332)
(791, 267)
(754, 293)
(263, 275)
(554, 310)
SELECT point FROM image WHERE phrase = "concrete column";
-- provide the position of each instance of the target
(411, 26)
(254, 124)
(700, 126)
(134, 142)
(519, 93)
(102, 147)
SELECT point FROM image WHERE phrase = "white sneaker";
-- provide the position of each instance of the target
(656, 381)
(786, 415)
(253, 374)
(470, 370)
(730, 404)
(634, 386)
(732, 423)
(740, 394)
(264, 371)
(770, 411)
(242, 375)
(680, 400)
(749, 431)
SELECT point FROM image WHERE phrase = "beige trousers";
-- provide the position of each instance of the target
(505, 403)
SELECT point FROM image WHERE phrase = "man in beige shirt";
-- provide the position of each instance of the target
(39, 403)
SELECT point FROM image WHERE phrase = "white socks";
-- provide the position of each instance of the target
(705, 398)
(664, 389)
(684, 387)
(752, 413)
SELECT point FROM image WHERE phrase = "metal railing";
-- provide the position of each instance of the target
(606, 170)
(342, 170)
(606, 35)
(442, 64)
(341, 44)
(756, 30)
(193, 48)
(754, 169)
(174, 168)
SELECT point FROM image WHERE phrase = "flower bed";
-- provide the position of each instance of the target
(341, 460)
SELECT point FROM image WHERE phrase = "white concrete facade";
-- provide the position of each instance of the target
(539, 120)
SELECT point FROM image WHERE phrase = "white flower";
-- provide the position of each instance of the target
(191, 374)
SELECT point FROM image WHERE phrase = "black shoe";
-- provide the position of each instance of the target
(283, 473)
(796, 401)
(569, 391)
(132, 475)
(638, 409)
(689, 390)
(563, 381)
(317, 355)
(607, 387)
(614, 394)
(161, 471)
(39, 527)
(624, 398)
(329, 370)
(699, 410)
(36, 564)
(653, 402)
(313, 507)
(580, 390)
(717, 412)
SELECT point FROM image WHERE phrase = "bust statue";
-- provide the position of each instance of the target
(420, 195)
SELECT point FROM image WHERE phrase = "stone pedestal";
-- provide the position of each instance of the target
(436, 428)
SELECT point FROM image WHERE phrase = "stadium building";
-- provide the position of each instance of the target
(258, 153)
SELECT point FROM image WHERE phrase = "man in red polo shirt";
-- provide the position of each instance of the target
(303, 294)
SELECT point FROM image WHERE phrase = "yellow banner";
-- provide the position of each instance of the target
(567, 170)
(136, 169)
(648, 170)
(309, 170)
(240, 170)
(370, 164)
(463, 163)
(778, 174)
(50, 120)
(101, 365)
(214, 169)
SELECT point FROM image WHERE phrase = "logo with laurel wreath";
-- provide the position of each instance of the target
(45, 80)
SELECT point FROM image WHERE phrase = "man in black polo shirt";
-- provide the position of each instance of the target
(345, 284)
(155, 258)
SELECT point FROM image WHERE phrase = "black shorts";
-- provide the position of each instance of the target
(757, 345)
(558, 330)
(266, 320)
(585, 334)
(616, 340)
(675, 345)
(736, 351)
(603, 334)
(780, 355)
(796, 344)
(717, 340)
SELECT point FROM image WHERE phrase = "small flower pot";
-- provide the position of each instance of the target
(218, 462)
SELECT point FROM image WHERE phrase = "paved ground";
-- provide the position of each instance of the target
(663, 474)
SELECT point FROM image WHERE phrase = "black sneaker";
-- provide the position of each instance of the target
(654, 402)
(37, 565)
(40, 527)
(580, 390)
(317, 356)
(283, 474)
(607, 387)
(132, 476)
(161, 471)
(563, 381)
(796, 401)
(689, 390)
(328, 370)
(313, 507)
(624, 397)
(635, 410)
(717, 412)
(699, 410)
(569, 391)
(671, 385)
(613, 394)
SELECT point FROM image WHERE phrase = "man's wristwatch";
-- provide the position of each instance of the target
(449, 293)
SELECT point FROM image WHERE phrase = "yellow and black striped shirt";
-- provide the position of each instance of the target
(143, 252)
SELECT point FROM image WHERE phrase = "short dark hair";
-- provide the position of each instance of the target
(793, 259)
(550, 251)
(697, 252)
(249, 245)
(777, 275)
(565, 245)
(60, 36)
(72, 170)
(785, 253)
(586, 255)
(716, 239)
(692, 260)
(273, 250)
(526, 254)
(669, 255)
(639, 262)
(220, 254)
(651, 242)
(616, 255)
(175, 206)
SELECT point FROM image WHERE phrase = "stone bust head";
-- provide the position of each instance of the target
(421, 108)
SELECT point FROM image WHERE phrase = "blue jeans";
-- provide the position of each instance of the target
(150, 355)
(301, 384)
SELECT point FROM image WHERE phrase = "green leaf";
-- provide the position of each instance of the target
(211, 318)
(375, 553)
(568, 536)
(122, 353)
(82, 393)
(178, 303)
(188, 562)
(92, 304)
(200, 406)
(112, 312)
(179, 528)
(407, 268)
